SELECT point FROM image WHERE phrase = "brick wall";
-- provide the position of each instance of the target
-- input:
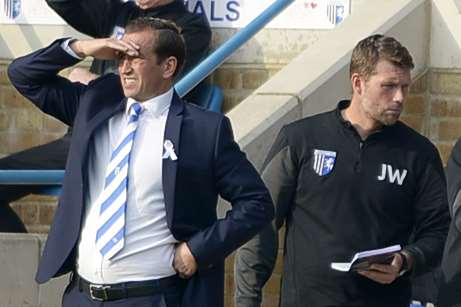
(434, 108)
(415, 107)
(238, 81)
(445, 109)
(22, 125)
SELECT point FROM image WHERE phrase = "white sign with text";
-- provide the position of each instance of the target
(301, 14)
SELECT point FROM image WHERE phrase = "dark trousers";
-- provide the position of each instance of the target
(425, 288)
(170, 297)
(48, 156)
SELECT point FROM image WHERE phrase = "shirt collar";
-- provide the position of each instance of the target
(344, 104)
(155, 106)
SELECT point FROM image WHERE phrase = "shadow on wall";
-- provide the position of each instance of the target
(446, 48)
(29, 37)
(458, 5)
(5, 48)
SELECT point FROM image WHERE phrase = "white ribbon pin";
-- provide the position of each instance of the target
(169, 151)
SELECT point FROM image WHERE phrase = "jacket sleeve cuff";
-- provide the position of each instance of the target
(65, 45)
(419, 260)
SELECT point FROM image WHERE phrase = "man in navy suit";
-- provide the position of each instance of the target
(172, 246)
(85, 16)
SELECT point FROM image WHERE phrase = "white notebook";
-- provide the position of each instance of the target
(363, 260)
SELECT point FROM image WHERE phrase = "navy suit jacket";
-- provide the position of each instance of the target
(209, 164)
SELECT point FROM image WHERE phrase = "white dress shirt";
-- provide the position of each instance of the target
(149, 245)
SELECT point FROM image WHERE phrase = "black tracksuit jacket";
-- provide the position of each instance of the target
(339, 195)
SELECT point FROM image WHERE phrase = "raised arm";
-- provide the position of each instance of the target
(36, 77)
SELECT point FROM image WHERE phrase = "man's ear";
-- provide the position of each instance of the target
(357, 83)
(169, 67)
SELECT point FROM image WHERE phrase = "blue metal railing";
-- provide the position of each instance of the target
(214, 60)
(36, 177)
(183, 86)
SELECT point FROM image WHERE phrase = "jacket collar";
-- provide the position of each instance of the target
(170, 166)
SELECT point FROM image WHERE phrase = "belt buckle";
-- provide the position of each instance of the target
(101, 288)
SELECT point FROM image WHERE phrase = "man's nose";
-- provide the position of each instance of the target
(399, 95)
(124, 65)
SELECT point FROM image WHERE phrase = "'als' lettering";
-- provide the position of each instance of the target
(216, 10)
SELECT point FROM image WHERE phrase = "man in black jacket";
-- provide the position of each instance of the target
(349, 180)
(100, 18)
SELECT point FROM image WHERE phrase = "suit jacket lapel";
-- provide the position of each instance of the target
(105, 113)
(102, 116)
(172, 132)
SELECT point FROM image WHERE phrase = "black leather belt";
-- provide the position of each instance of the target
(111, 292)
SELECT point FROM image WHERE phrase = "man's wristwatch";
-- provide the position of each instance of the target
(404, 267)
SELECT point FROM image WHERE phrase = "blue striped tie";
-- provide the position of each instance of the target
(110, 237)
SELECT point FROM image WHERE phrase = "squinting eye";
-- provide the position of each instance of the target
(388, 86)
(135, 60)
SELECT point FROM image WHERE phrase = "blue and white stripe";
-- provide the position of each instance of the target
(110, 236)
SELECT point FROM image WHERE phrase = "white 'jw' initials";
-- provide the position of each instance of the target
(392, 175)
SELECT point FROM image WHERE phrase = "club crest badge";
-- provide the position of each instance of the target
(324, 161)
(118, 32)
(12, 8)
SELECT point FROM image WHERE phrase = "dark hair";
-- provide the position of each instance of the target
(167, 41)
(370, 50)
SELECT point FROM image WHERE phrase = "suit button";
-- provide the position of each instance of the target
(357, 166)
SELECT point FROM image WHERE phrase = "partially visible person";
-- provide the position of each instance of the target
(102, 18)
(450, 287)
(352, 179)
(99, 18)
(136, 221)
